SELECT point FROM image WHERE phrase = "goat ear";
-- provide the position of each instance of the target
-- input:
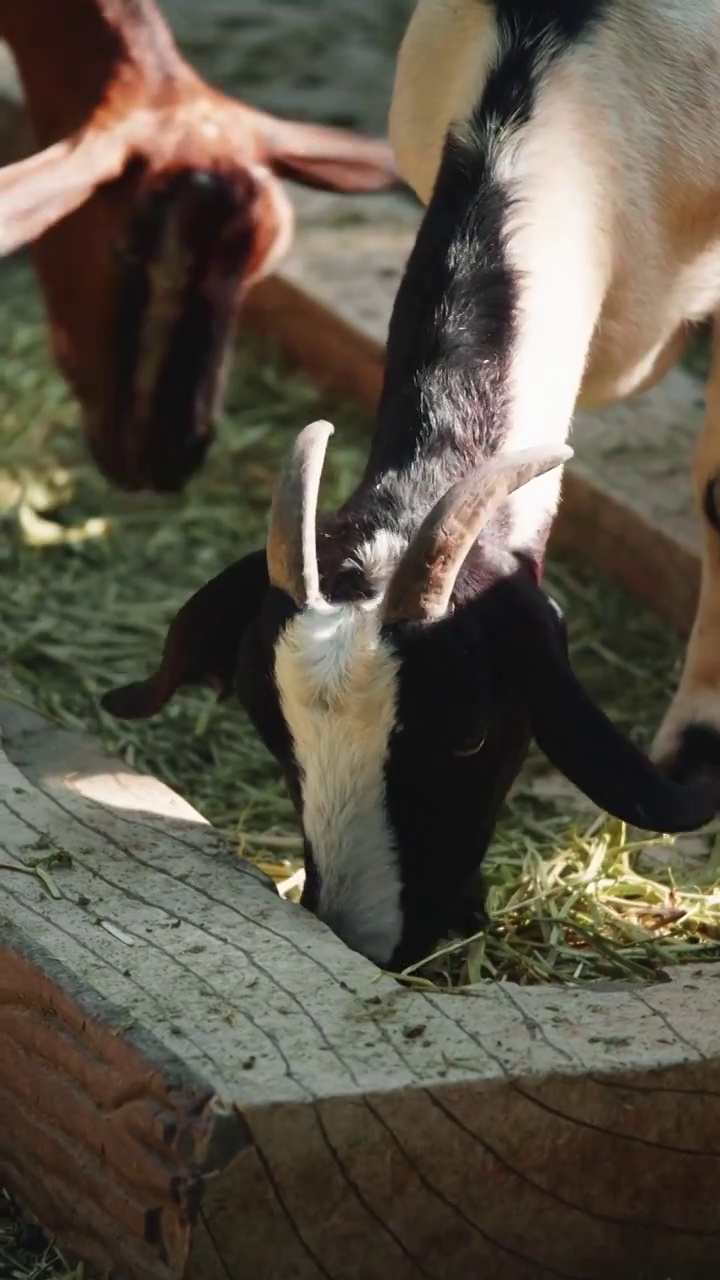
(330, 159)
(202, 644)
(37, 192)
(579, 739)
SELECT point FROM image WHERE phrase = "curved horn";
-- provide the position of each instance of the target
(291, 547)
(423, 582)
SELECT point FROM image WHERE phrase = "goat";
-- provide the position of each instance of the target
(154, 206)
(398, 659)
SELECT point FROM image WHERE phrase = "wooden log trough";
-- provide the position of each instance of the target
(198, 1081)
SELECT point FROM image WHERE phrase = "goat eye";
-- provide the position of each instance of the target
(470, 748)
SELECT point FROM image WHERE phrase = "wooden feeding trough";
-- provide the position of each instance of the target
(199, 1081)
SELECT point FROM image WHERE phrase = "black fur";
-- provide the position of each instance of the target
(566, 20)
(444, 399)
(697, 759)
(451, 329)
(442, 805)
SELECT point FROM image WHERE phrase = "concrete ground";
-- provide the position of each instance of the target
(325, 60)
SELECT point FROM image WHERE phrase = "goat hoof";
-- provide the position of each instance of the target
(694, 758)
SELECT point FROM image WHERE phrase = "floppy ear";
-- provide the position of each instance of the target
(330, 159)
(579, 739)
(202, 643)
(37, 192)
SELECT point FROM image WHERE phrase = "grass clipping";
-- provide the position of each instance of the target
(25, 1251)
(92, 578)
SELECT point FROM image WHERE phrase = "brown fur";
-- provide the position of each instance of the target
(110, 70)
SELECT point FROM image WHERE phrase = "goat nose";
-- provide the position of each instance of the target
(157, 470)
(114, 466)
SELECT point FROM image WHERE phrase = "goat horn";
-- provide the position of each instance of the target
(424, 580)
(291, 546)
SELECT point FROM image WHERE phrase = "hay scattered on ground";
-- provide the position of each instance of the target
(96, 575)
(25, 1251)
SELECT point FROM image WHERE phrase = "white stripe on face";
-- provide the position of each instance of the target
(338, 683)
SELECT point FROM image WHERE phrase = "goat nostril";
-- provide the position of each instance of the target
(162, 475)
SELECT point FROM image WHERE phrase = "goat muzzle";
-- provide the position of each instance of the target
(173, 288)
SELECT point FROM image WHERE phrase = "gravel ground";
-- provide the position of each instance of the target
(329, 60)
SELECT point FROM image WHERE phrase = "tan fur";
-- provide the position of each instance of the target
(123, 120)
(615, 234)
(642, 192)
(430, 92)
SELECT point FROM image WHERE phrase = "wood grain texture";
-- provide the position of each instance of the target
(217, 1087)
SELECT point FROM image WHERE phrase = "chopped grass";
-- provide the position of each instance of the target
(25, 1251)
(96, 575)
(582, 905)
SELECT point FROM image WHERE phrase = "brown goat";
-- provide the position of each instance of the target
(153, 207)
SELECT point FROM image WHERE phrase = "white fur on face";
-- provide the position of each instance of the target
(338, 683)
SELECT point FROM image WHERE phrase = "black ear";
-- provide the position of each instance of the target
(201, 646)
(577, 736)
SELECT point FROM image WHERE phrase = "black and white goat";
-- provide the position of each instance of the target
(397, 658)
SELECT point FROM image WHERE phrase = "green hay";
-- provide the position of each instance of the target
(92, 578)
(25, 1252)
